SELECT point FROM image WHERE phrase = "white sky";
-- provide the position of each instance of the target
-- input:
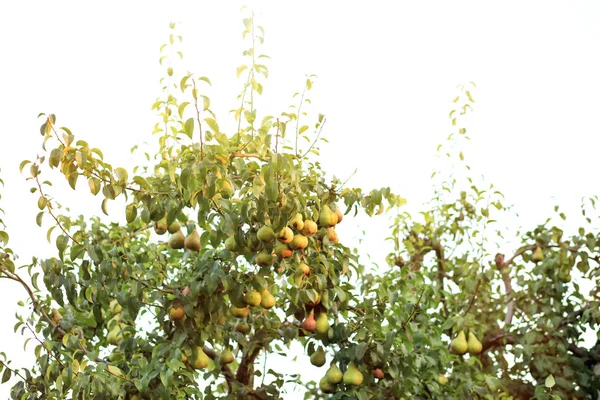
(386, 75)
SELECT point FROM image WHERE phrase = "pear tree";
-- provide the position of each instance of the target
(226, 251)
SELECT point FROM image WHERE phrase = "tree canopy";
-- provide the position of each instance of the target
(227, 251)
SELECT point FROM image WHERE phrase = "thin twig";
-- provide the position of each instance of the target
(49, 208)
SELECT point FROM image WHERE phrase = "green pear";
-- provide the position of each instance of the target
(177, 240)
(174, 227)
(192, 242)
(326, 386)
(160, 226)
(322, 323)
(327, 218)
(264, 259)
(199, 359)
(334, 374)
(231, 244)
(265, 234)
(459, 343)
(538, 255)
(473, 344)
(318, 357)
(352, 376)
(226, 357)
(253, 298)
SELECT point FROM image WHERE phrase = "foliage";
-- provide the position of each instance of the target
(124, 313)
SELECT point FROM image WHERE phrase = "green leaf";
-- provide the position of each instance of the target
(212, 124)
(130, 213)
(104, 204)
(6, 375)
(550, 381)
(182, 107)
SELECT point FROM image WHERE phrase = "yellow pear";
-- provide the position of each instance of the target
(114, 306)
(267, 300)
(199, 359)
(297, 223)
(538, 255)
(286, 235)
(327, 218)
(334, 374)
(310, 228)
(473, 344)
(459, 343)
(333, 237)
(56, 316)
(339, 214)
(352, 376)
(265, 234)
(242, 327)
(177, 240)
(176, 312)
(225, 189)
(318, 357)
(253, 298)
(304, 268)
(239, 312)
(300, 242)
(322, 323)
(442, 379)
(192, 242)
(115, 335)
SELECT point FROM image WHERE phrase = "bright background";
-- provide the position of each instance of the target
(386, 75)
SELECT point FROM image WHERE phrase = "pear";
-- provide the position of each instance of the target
(459, 343)
(176, 312)
(316, 301)
(473, 344)
(352, 376)
(310, 228)
(174, 227)
(177, 240)
(538, 255)
(332, 234)
(253, 298)
(283, 250)
(334, 374)
(304, 268)
(378, 373)
(264, 259)
(239, 312)
(297, 222)
(267, 300)
(327, 218)
(192, 242)
(115, 335)
(160, 226)
(226, 357)
(225, 189)
(309, 323)
(300, 242)
(56, 316)
(186, 290)
(322, 324)
(442, 379)
(114, 306)
(231, 244)
(326, 386)
(242, 327)
(318, 357)
(199, 359)
(265, 234)
(286, 235)
(339, 214)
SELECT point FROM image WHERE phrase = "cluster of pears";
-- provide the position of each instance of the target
(333, 376)
(319, 325)
(178, 240)
(460, 344)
